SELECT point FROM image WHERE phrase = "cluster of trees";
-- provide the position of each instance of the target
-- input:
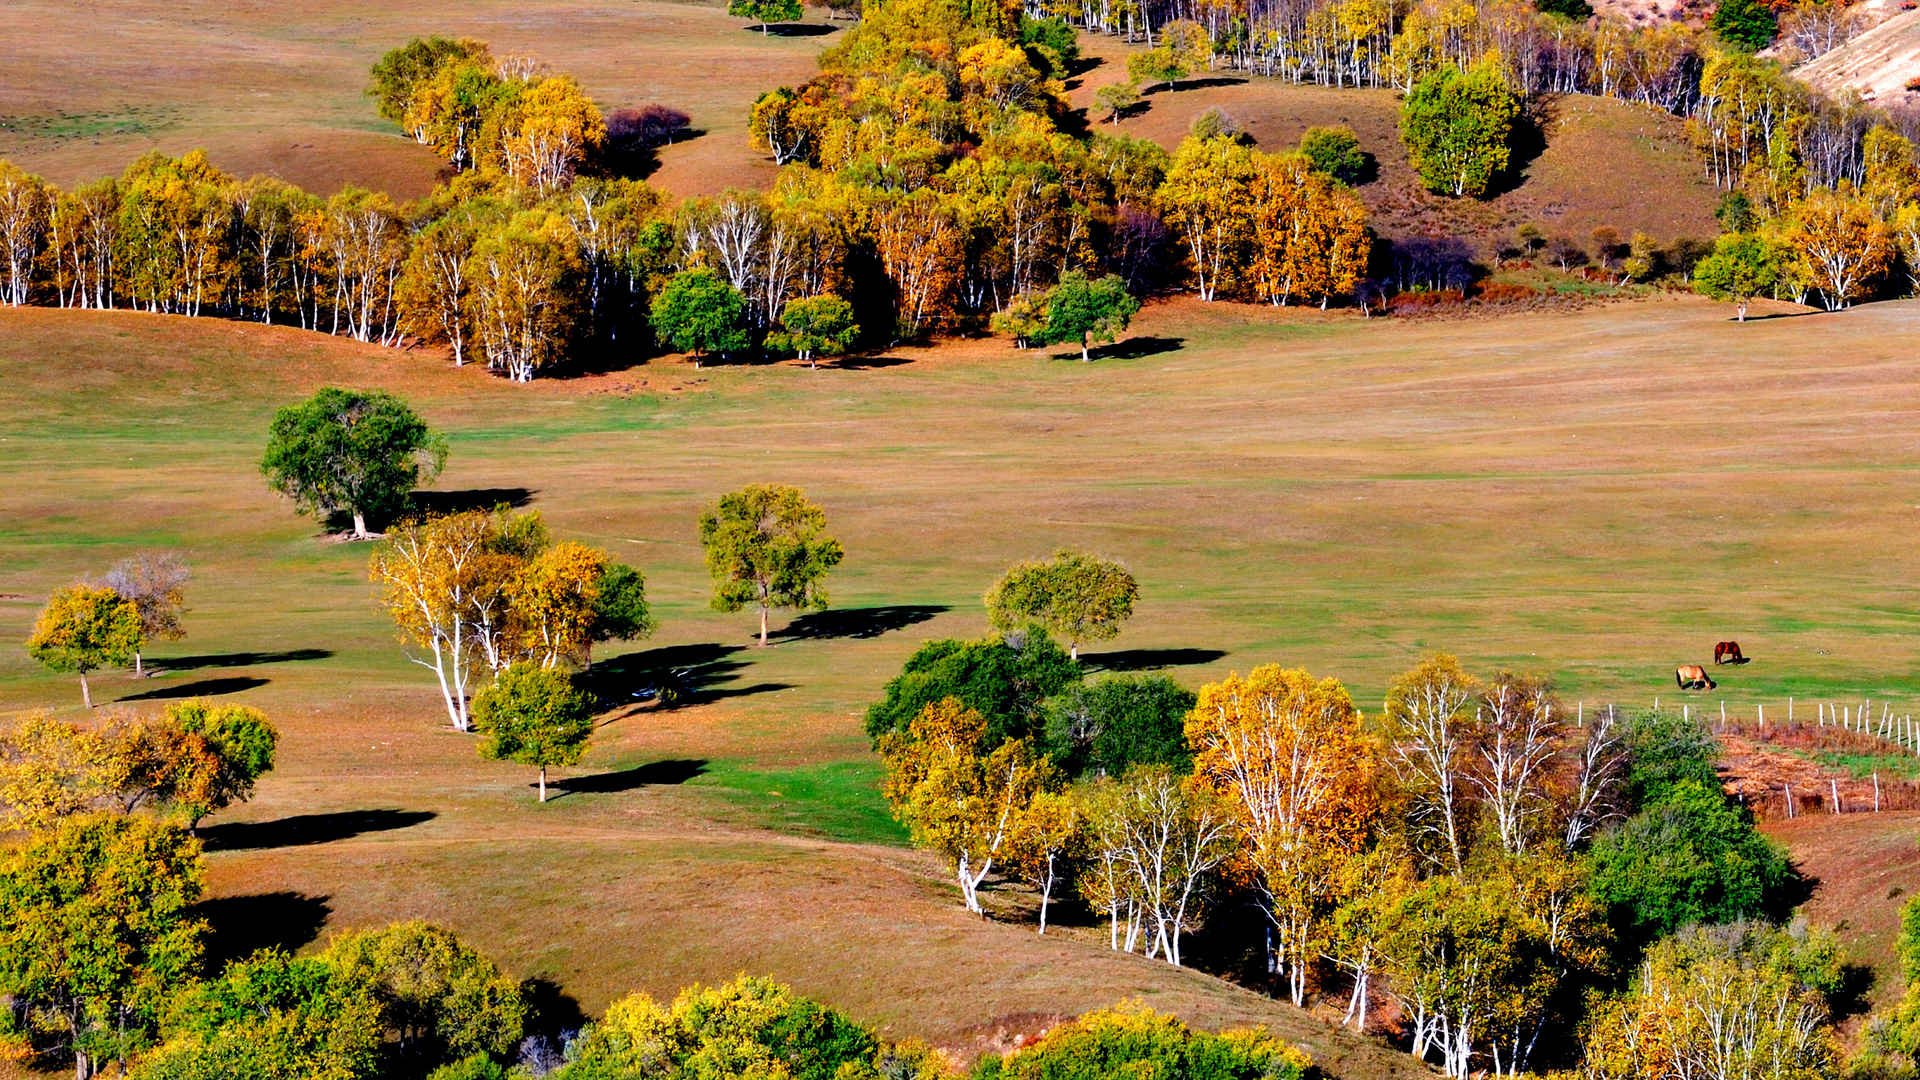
(1492, 863)
(88, 626)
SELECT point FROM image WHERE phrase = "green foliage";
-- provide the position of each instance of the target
(1664, 750)
(815, 326)
(84, 628)
(750, 1027)
(1108, 725)
(440, 999)
(767, 546)
(1080, 596)
(359, 451)
(765, 11)
(271, 1017)
(1745, 24)
(698, 312)
(243, 743)
(1740, 268)
(1688, 857)
(620, 611)
(471, 1067)
(1458, 127)
(401, 71)
(1117, 99)
(1054, 40)
(1335, 151)
(1006, 679)
(1132, 1040)
(97, 930)
(1577, 10)
(1735, 212)
(536, 716)
(1084, 311)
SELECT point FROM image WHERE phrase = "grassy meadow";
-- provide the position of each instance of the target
(1316, 490)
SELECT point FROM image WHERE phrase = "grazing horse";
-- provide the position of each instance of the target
(1693, 677)
(1728, 652)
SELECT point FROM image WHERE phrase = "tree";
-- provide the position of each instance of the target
(398, 75)
(25, 205)
(1084, 311)
(1335, 152)
(1749, 25)
(84, 628)
(1740, 268)
(1041, 847)
(271, 1017)
(1006, 678)
(1430, 713)
(554, 602)
(620, 611)
(1078, 595)
(547, 130)
(699, 313)
(1107, 726)
(51, 769)
(1154, 838)
(815, 326)
(359, 451)
(1133, 1040)
(97, 931)
(1207, 199)
(523, 281)
(445, 587)
(154, 581)
(1458, 127)
(767, 546)
(535, 716)
(765, 12)
(1844, 245)
(242, 741)
(440, 999)
(1117, 99)
(959, 797)
(749, 1026)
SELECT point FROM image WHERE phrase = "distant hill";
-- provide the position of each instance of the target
(1877, 64)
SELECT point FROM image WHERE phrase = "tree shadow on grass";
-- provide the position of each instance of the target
(863, 363)
(454, 502)
(1136, 347)
(695, 675)
(866, 622)
(305, 829)
(236, 659)
(551, 1011)
(243, 925)
(671, 772)
(1148, 659)
(795, 30)
(1193, 84)
(199, 688)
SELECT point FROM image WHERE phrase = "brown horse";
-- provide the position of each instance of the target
(1693, 677)
(1728, 652)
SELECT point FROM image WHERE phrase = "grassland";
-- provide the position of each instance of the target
(1597, 494)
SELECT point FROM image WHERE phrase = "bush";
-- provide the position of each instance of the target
(748, 1027)
(1664, 750)
(1005, 678)
(1336, 152)
(1106, 726)
(1132, 1040)
(1505, 292)
(1745, 24)
(1214, 122)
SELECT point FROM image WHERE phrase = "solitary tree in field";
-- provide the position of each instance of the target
(535, 716)
(767, 547)
(1335, 151)
(154, 582)
(359, 451)
(1084, 311)
(1740, 268)
(1117, 99)
(1079, 596)
(97, 930)
(84, 628)
(765, 12)
(1458, 127)
(699, 313)
(815, 326)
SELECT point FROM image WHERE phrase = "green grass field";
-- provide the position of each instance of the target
(1597, 494)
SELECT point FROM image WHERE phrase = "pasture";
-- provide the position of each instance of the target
(1596, 494)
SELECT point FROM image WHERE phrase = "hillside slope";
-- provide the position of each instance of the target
(1877, 64)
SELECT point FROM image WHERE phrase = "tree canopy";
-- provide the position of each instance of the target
(84, 628)
(1006, 678)
(1075, 594)
(1084, 311)
(362, 452)
(536, 716)
(1458, 127)
(768, 547)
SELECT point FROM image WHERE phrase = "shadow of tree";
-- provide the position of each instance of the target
(866, 622)
(1136, 347)
(1148, 659)
(304, 829)
(453, 502)
(670, 772)
(795, 30)
(243, 925)
(696, 674)
(863, 363)
(199, 688)
(236, 659)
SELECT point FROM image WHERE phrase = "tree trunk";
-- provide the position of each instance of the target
(359, 525)
(139, 666)
(1741, 308)
(1084, 358)
(86, 695)
(763, 626)
(1073, 650)
(543, 783)
(82, 1066)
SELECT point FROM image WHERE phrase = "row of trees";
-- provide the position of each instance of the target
(1472, 851)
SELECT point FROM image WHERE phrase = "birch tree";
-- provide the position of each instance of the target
(1430, 713)
(430, 573)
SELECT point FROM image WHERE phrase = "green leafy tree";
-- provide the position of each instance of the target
(1688, 857)
(536, 716)
(1458, 127)
(1735, 212)
(243, 742)
(1007, 679)
(700, 314)
(84, 628)
(767, 547)
(1740, 268)
(1117, 99)
(1077, 595)
(765, 12)
(271, 1017)
(1335, 151)
(97, 932)
(1664, 750)
(1749, 25)
(471, 1067)
(1084, 311)
(1107, 726)
(399, 75)
(359, 451)
(815, 326)
(440, 999)
(1159, 64)
(1134, 1041)
(620, 611)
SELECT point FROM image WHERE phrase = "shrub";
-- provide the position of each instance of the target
(1336, 152)
(1214, 122)
(1132, 1040)
(747, 1027)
